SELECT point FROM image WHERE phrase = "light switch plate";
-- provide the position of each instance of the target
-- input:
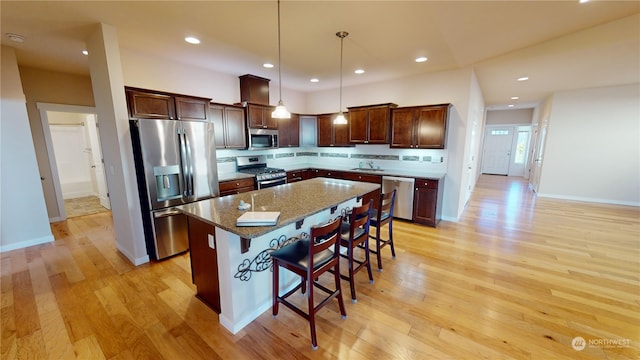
(211, 242)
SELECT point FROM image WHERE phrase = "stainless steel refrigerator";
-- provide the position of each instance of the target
(175, 165)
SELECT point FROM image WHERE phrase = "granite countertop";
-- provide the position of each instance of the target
(384, 172)
(294, 201)
(234, 176)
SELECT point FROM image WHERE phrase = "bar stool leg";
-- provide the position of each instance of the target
(275, 289)
(378, 253)
(312, 316)
(368, 260)
(393, 249)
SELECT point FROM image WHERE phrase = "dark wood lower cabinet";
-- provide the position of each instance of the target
(426, 207)
(204, 263)
(375, 179)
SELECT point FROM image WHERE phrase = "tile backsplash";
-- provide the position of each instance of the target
(380, 155)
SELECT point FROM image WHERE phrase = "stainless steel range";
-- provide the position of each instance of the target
(265, 176)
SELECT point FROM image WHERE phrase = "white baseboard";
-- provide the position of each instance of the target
(135, 261)
(27, 243)
(593, 200)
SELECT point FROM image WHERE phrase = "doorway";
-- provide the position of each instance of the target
(506, 150)
(75, 156)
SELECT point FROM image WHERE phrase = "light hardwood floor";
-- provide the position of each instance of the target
(518, 277)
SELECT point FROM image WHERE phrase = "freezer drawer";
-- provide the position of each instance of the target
(404, 195)
(171, 233)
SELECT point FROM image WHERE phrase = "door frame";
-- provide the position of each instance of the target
(43, 108)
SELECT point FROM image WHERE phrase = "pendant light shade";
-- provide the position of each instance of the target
(281, 111)
(340, 119)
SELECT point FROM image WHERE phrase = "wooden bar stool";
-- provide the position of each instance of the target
(310, 258)
(355, 234)
(380, 217)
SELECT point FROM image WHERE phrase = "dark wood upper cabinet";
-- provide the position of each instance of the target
(330, 134)
(192, 109)
(149, 104)
(289, 131)
(420, 127)
(370, 124)
(254, 89)
(259, 117)
(228, 126)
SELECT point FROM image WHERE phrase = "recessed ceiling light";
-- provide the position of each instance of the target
(15, 37)
(192, 40)
(515, 97)
(524, 78)
(421, 59)
(583, 1)
(268, 65)
(85, 52)
(510, 105)
(314, 80)
(359, 71)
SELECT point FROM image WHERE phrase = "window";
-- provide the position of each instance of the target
(499, 132)
(521, 147)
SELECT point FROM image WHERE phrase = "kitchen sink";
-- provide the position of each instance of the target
(366, 169)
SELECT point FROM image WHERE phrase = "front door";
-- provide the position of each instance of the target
(497, 150)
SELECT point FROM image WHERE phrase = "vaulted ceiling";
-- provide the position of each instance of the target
(559, 45)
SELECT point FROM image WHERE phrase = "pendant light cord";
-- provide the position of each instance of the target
(279, 56)
(341, 46)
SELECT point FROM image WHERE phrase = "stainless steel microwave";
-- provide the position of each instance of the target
(260, 139)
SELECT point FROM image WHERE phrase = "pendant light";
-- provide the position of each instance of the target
(281, 111)
(340, 119)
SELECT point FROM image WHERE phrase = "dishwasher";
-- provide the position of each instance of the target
(404, 195)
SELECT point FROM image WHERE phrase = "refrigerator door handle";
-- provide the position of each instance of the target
(190, 165)
(183, 162)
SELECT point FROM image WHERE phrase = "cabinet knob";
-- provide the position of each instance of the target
(426, 183)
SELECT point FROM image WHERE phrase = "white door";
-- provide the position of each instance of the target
(497, 150)
(97, 163)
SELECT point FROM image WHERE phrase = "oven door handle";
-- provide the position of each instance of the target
(273, 181)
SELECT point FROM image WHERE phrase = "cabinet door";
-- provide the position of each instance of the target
(235, 136)
(341, 133)
(204, 263)
(270, 122)
(191, 109)
(255, 115)
(325, 130)
(431, 127)
(294, 130)
(216, 116)
(358, 127)
(378, 125)
(298, 175)
(425, 200)
(402, 128)
(143, 105)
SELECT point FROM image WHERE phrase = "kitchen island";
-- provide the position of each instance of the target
(241, 254)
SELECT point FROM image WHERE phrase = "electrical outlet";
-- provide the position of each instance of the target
(211, 242)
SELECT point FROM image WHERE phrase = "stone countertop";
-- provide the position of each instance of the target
(234, 176)
(385, 172)
(294, 201)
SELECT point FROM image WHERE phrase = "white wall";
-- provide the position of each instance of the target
(509, 117)
(592, 151)
(23, 214)
(151, 73)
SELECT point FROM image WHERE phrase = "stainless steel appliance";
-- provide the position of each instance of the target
(265, 176)
(260, 139)
(404, 195)
(175, 165)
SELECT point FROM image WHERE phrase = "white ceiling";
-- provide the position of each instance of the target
(559, 45)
